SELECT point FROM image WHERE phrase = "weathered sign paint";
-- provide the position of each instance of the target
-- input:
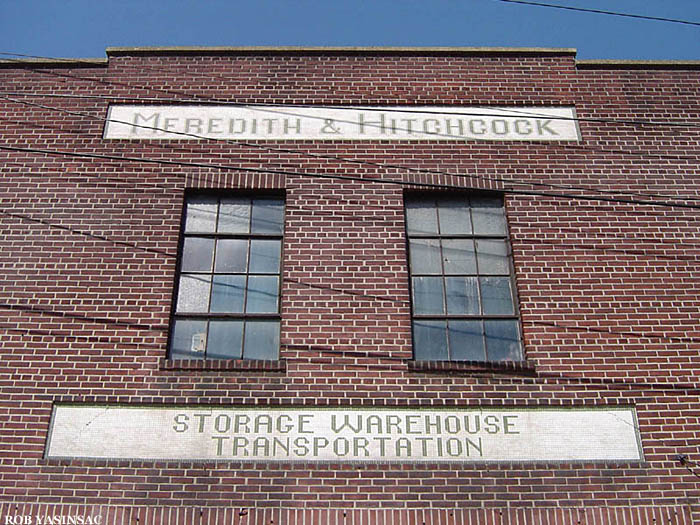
(295, 434)
(239, 122)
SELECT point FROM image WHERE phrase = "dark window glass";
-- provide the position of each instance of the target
(225, 339)
(466, 340)
(262, 339)
(502, 339)
(234, 216)
(188, 340)
(197, 254)
(428, 295)
(228, 293)
(421, 217)
(228, 303)
(488, 216)
(458, 256)
(497, 296)
(430, 340)
(462, 295)
(267, 216)
(461, 280)
(265, 256)
(454, 216)
(231, 255)
(200, 214)
(262, 294)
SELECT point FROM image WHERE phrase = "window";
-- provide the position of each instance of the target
(227, 304)
(461, 280)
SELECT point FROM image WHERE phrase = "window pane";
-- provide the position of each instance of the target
(488, 215)
(492, 257)
(225, 340)
(430, 340)
(234, 216)
(458, 256)
(265, 256)
(197, 254)
(189, 339)
(502, 340)
(496, 295)
(466, 341)
(421, 217)
(462, 295)
(461, 279)
(262, 340)
(228, 293)
(193, 293)
(200, 214)
(428, 296)
(231, 255)
(454, 216)
(425, 256)
(262, 294)
(268, 216)
(225, 274)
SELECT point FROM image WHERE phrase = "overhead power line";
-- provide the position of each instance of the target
(375, 180)
(361, 162)
(204, 100)
(682, 459)
(515, 110)
(411, 169)
(384, 165)
(602, 12)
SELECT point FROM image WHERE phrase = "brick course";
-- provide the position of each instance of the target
(608, 288)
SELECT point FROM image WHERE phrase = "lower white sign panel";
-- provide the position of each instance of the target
(405, 435)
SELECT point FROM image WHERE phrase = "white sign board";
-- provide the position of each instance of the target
(295, 434)
(239, 122)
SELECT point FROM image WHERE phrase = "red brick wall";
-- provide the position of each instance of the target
(113, 515)
(609, 291)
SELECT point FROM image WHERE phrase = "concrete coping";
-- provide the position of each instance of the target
(53, 62)
(310, 50)
(638, 64)
(348, 51)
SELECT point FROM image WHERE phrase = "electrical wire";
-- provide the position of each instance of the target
(354, 161)
(277, 108)
(344, 177)
(365, 162)
(602, 12)
(682, 459)
(84, 233)
(508, 181)
(272, 105)
(685, 462)
(269, 107)
(205, 100)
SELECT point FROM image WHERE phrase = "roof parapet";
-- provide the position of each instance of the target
(638, 64)
(302, 50)
(53, 62)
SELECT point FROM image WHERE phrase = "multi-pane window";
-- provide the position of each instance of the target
(464, 305)
(227, 304)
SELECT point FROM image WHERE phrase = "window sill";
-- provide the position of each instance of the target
(225, 364)
(519, 368)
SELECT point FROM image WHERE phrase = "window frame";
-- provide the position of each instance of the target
(208, 316)
(435, 197)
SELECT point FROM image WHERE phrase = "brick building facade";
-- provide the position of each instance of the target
(443, 254)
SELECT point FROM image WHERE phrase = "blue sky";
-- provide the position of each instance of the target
(84, 28)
